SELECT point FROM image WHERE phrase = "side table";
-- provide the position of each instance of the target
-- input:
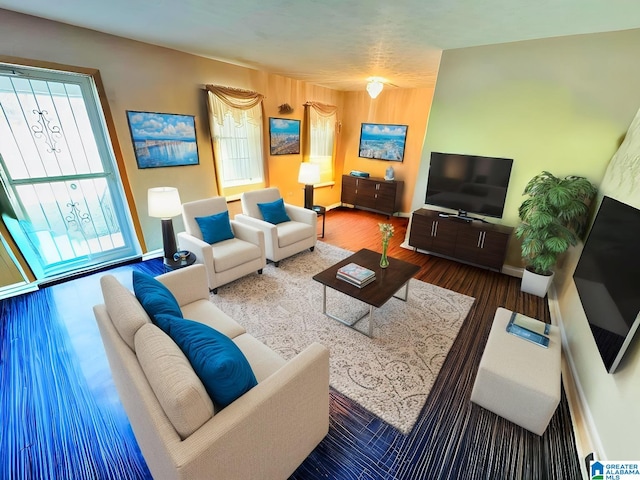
(170, 264)
(320, 211)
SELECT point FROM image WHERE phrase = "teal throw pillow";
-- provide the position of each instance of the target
(274, 212)
(219, 363)
(215, 228)
(154, 297)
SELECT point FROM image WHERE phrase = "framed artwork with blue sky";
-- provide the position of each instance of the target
(382, 141)
(163, 139)
(284, 136)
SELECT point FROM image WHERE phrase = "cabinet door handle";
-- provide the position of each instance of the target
(482, 236)
(479, 240)
(435, 233)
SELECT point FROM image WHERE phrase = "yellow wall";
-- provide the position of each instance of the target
(562, 105)
(393, 106)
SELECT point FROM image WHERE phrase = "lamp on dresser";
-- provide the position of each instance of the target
(309, 175)
(164, 203)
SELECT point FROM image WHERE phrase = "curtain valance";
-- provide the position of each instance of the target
(225, 101)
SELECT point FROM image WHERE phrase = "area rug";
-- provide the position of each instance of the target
(390, 374)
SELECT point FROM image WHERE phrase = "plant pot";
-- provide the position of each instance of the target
(535, 284)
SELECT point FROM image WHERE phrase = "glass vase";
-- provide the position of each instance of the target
(384, 261)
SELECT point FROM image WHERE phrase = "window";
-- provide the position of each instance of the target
(235, 117)
(61, 196)
(321, 129)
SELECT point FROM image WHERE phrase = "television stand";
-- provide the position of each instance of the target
(460, 239)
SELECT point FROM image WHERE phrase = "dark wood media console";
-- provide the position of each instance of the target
(375, 194)
(476, 242)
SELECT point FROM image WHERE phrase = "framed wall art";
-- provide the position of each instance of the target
(163, 139)
(284, 136)
(382, 141)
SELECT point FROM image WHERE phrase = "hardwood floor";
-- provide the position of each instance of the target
(453, 437)
(61, 416)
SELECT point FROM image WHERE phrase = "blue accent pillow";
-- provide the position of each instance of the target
(274, 212)
(154, 297)
(215, 228)
(219, 363)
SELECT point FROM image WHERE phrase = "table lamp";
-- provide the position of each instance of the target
(309, 175)
(164, 203)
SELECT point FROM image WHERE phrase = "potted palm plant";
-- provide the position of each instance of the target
(553, 218)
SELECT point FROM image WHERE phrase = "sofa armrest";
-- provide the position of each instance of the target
(187, 284)
(248, 233)
(200, 248)
(300, 214)
(268, 431)
(269, 229)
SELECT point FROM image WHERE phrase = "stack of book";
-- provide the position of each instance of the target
(356, 275)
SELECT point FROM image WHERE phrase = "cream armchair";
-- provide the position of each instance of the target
(284, 239)
(227, 260)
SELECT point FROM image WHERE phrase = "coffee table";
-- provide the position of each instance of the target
(389, 281)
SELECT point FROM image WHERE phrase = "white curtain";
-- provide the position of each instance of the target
(320, 125)
(235, 118)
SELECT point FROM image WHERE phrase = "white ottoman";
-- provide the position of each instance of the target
(518, 380)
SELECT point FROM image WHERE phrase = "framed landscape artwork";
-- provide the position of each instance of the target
(284, 136)
(163, 139)
(382, 141)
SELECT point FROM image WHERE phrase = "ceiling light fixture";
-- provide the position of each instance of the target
(374, 87)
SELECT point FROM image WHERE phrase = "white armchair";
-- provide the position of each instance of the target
(227, 260)
(284, 239)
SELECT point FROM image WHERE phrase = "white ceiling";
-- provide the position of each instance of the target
(336, 43)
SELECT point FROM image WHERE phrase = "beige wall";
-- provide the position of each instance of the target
(138, 76)
(605, 393)
(562, 105)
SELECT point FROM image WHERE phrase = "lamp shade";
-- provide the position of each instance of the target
(164, 202)
(374, 87)
(309, 173)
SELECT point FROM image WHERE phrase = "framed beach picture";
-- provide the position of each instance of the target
(163, 139)
(284, 136)
(382, 141)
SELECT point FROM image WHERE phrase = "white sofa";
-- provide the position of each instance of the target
(266, 433)
(284, 239)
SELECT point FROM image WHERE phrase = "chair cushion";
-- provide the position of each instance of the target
(232, 253)
(274, 212)
(215, 228)
(292, 232)
(124, 309)
(220, 364)
(177, 387)
(154, 297)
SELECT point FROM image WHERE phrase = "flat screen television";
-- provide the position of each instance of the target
(606, 278)
(468, 183)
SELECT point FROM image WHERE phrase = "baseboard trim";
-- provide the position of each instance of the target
(584, 428)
